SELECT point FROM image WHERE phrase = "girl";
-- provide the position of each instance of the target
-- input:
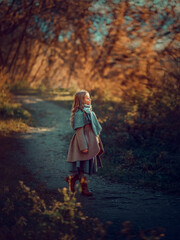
(86, 146)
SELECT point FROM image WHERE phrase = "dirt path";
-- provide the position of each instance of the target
(43, 151)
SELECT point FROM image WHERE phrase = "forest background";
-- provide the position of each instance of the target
(125, 53)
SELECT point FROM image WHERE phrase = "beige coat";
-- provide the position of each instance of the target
(84, 138)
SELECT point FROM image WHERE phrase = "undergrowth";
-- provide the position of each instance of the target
(13, 118)
(27, 216)
(141, 138)
(24, 215)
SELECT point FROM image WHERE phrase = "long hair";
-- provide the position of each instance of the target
(78, 103)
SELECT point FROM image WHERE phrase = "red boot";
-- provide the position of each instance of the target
(84, 187)
(71, 180)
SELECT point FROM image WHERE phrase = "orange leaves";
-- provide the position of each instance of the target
(124, 53)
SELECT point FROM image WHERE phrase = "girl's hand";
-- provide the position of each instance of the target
(85, 151)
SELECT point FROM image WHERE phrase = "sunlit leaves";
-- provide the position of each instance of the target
(94, 43)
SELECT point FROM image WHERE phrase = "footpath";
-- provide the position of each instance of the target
(43, 151)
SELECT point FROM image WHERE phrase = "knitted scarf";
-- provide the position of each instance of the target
(79, 119)
(94, 122)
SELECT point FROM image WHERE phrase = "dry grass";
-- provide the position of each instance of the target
(12, 126)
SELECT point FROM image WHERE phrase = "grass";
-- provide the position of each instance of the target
(13, 118)
(12, 126)
(62, 97)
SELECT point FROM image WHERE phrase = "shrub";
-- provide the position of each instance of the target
(24, 215)
(13, 118)
(9, 109)
(143, 132)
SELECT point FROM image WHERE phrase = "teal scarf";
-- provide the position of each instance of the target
(80, 120)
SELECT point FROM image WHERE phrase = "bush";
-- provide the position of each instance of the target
(24, 215)
(13, 118)
(143, 130)
(13, 110)
(8, 109)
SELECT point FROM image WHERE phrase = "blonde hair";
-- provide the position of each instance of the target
(78, 103)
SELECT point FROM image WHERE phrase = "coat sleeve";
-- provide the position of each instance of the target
(82, 143)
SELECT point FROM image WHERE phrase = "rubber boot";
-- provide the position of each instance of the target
(71, 180)
(84, 187)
